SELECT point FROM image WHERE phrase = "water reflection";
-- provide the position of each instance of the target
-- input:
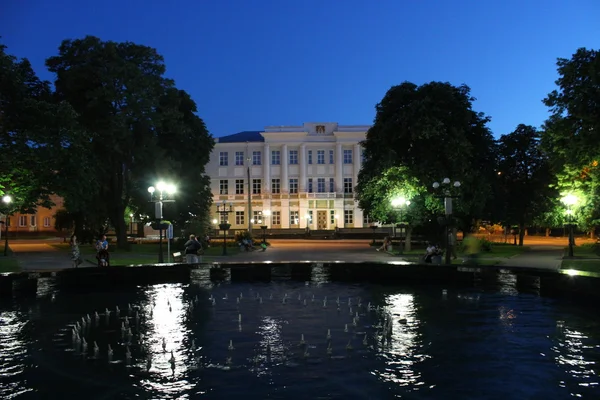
(170, 359)
(403, 348)
(571, 355)
(13, 354)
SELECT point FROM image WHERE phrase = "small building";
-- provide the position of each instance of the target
(296, 177)
(39, 223)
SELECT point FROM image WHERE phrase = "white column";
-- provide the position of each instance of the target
(339, 181)
(267, 169)
(303, 166)
(285, 186)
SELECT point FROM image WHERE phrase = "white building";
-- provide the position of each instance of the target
(300, 176)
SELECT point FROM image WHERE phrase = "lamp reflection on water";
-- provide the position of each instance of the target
(12, 349)
(166, 322)
(403, 350)
(569, 354)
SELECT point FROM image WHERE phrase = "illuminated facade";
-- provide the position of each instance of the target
(42, 221)
(303, 175)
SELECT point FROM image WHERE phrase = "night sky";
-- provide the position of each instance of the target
(253, 63)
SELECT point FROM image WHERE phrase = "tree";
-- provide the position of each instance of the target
(571, 135)
(138, 127)
(525, 177)
(35, 135)
(429, 132)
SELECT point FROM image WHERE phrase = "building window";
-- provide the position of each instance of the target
(310, 156)
(310, 217)
(347, 185)
(276, 218)
(239, 158)
(348, 156)
(239, 186)
(223, 186)
(294, 218)
(32, 220)
(276, 186)
(239, 218)
(223, 157)
(331, 185)
(332, 217)
(330, 156)
(46, 222)
(294, 185)
(366, 220)
(257, 217)
(320, 156)
(310, 187)
(293, 157)
(256, 158)
(22, 220)
(275, 157)
(348, 216)
(321, 185)
(256, 186)
(363, 156)
(223, 218)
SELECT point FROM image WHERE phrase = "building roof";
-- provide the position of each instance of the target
(240, 137)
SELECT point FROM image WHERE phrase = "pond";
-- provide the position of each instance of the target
(289, 339)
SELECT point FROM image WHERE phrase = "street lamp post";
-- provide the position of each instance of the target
(266, 214)
(162, 189)
(6, 200)
(570, 200)
(130, 224)
(250, 219)
(224, 209)
(398, 203)
(447, 196)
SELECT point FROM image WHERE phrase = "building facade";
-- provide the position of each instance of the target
(296, 177)
(41, 222)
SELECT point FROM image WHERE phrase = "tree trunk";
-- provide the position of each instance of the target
(139, 229)
(521, 233)
(408, 239)
(547, 232)
(593, 233)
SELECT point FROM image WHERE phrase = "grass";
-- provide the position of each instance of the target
(9, 264)
(586, 258)
(498, 251)
(146, 253)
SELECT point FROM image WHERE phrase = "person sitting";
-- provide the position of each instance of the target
(430, 252)
(103, 258)
(102, 252)
(386, 244)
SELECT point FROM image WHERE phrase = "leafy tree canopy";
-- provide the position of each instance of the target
(35, 135)
(139, 128)
(429, 132)
(571, 136)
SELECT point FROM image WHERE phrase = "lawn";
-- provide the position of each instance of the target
(498, 252)
(586, 258)
(146, 253)
(9, 264)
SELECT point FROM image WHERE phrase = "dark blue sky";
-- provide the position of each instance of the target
(252, 63)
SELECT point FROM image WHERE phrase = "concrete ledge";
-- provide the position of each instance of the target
(531, 280)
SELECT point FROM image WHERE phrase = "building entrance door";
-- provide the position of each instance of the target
(321, 220)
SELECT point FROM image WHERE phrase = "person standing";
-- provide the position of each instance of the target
(75, 253)
(192, 246)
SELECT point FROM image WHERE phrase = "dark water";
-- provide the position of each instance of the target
(428, 342)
